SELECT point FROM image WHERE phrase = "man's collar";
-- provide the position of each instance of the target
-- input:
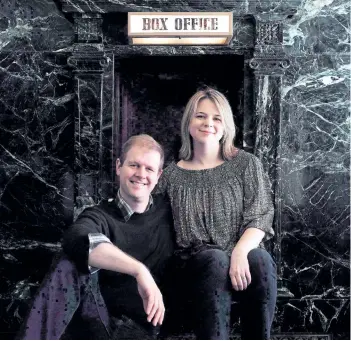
(126, 210)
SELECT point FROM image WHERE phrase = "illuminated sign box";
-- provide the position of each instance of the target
(180, 28)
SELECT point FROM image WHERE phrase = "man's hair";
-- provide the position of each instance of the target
(142, 141)
(223, 106)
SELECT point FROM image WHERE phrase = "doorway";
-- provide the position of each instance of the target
(152, 92)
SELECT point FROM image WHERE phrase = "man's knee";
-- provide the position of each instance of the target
(62, 262)
(63, 270)
(62, 265)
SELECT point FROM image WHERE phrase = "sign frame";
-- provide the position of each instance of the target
(228, 34)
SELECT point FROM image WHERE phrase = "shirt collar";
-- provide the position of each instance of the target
(126, 210)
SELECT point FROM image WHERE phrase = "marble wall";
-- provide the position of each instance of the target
(315, 159)
(40, 98)
(36, 147)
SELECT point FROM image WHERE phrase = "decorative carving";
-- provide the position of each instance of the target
(269, 65)
(88, 59)
(270, 33)
(269, 57)
(88, 28)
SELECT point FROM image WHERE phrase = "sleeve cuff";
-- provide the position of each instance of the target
(94, 240)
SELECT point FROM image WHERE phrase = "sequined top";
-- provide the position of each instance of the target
(217, 205)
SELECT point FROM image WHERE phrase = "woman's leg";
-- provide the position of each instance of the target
(207, 274)
(259, 299)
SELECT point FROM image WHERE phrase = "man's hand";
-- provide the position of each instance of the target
(239, 271)
(151, 296)
(109, 257)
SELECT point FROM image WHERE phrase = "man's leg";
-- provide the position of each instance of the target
(58, 298)
(127, 315)
(207, 273)
(258, 300)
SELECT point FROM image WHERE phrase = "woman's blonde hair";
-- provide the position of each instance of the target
(223, 106)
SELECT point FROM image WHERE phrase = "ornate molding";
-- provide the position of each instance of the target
(269, 33)
(88, 28)
(269, 57)
(88, 53)
(269, 65)
(281, 7)
(88, 59)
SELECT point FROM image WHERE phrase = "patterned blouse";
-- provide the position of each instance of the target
(216, 205)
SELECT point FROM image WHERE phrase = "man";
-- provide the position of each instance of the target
(114, 254)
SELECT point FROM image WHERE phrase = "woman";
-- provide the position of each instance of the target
(223, 212)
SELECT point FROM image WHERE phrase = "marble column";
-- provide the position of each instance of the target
(268, 64)
(89, 62)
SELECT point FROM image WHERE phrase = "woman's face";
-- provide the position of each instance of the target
(206, 125)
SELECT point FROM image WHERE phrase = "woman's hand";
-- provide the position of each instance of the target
(239, 271)
(239, 265)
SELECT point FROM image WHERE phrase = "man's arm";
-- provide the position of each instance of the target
(109, 257)
(77, 245)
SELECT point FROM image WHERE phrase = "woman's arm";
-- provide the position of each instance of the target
(257, 221)
(250, 239)
(258, 210)
(239, 265)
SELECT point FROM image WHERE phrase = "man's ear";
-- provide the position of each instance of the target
(159, 174)
(118, 166)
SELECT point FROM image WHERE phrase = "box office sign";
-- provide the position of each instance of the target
(180, 28)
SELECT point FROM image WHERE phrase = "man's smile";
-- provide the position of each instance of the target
(137, 183)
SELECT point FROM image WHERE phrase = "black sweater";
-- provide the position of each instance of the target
(148, 237)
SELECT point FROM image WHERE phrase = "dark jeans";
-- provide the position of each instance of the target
(202, 281)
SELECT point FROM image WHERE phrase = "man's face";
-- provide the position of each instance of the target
(139, 174)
